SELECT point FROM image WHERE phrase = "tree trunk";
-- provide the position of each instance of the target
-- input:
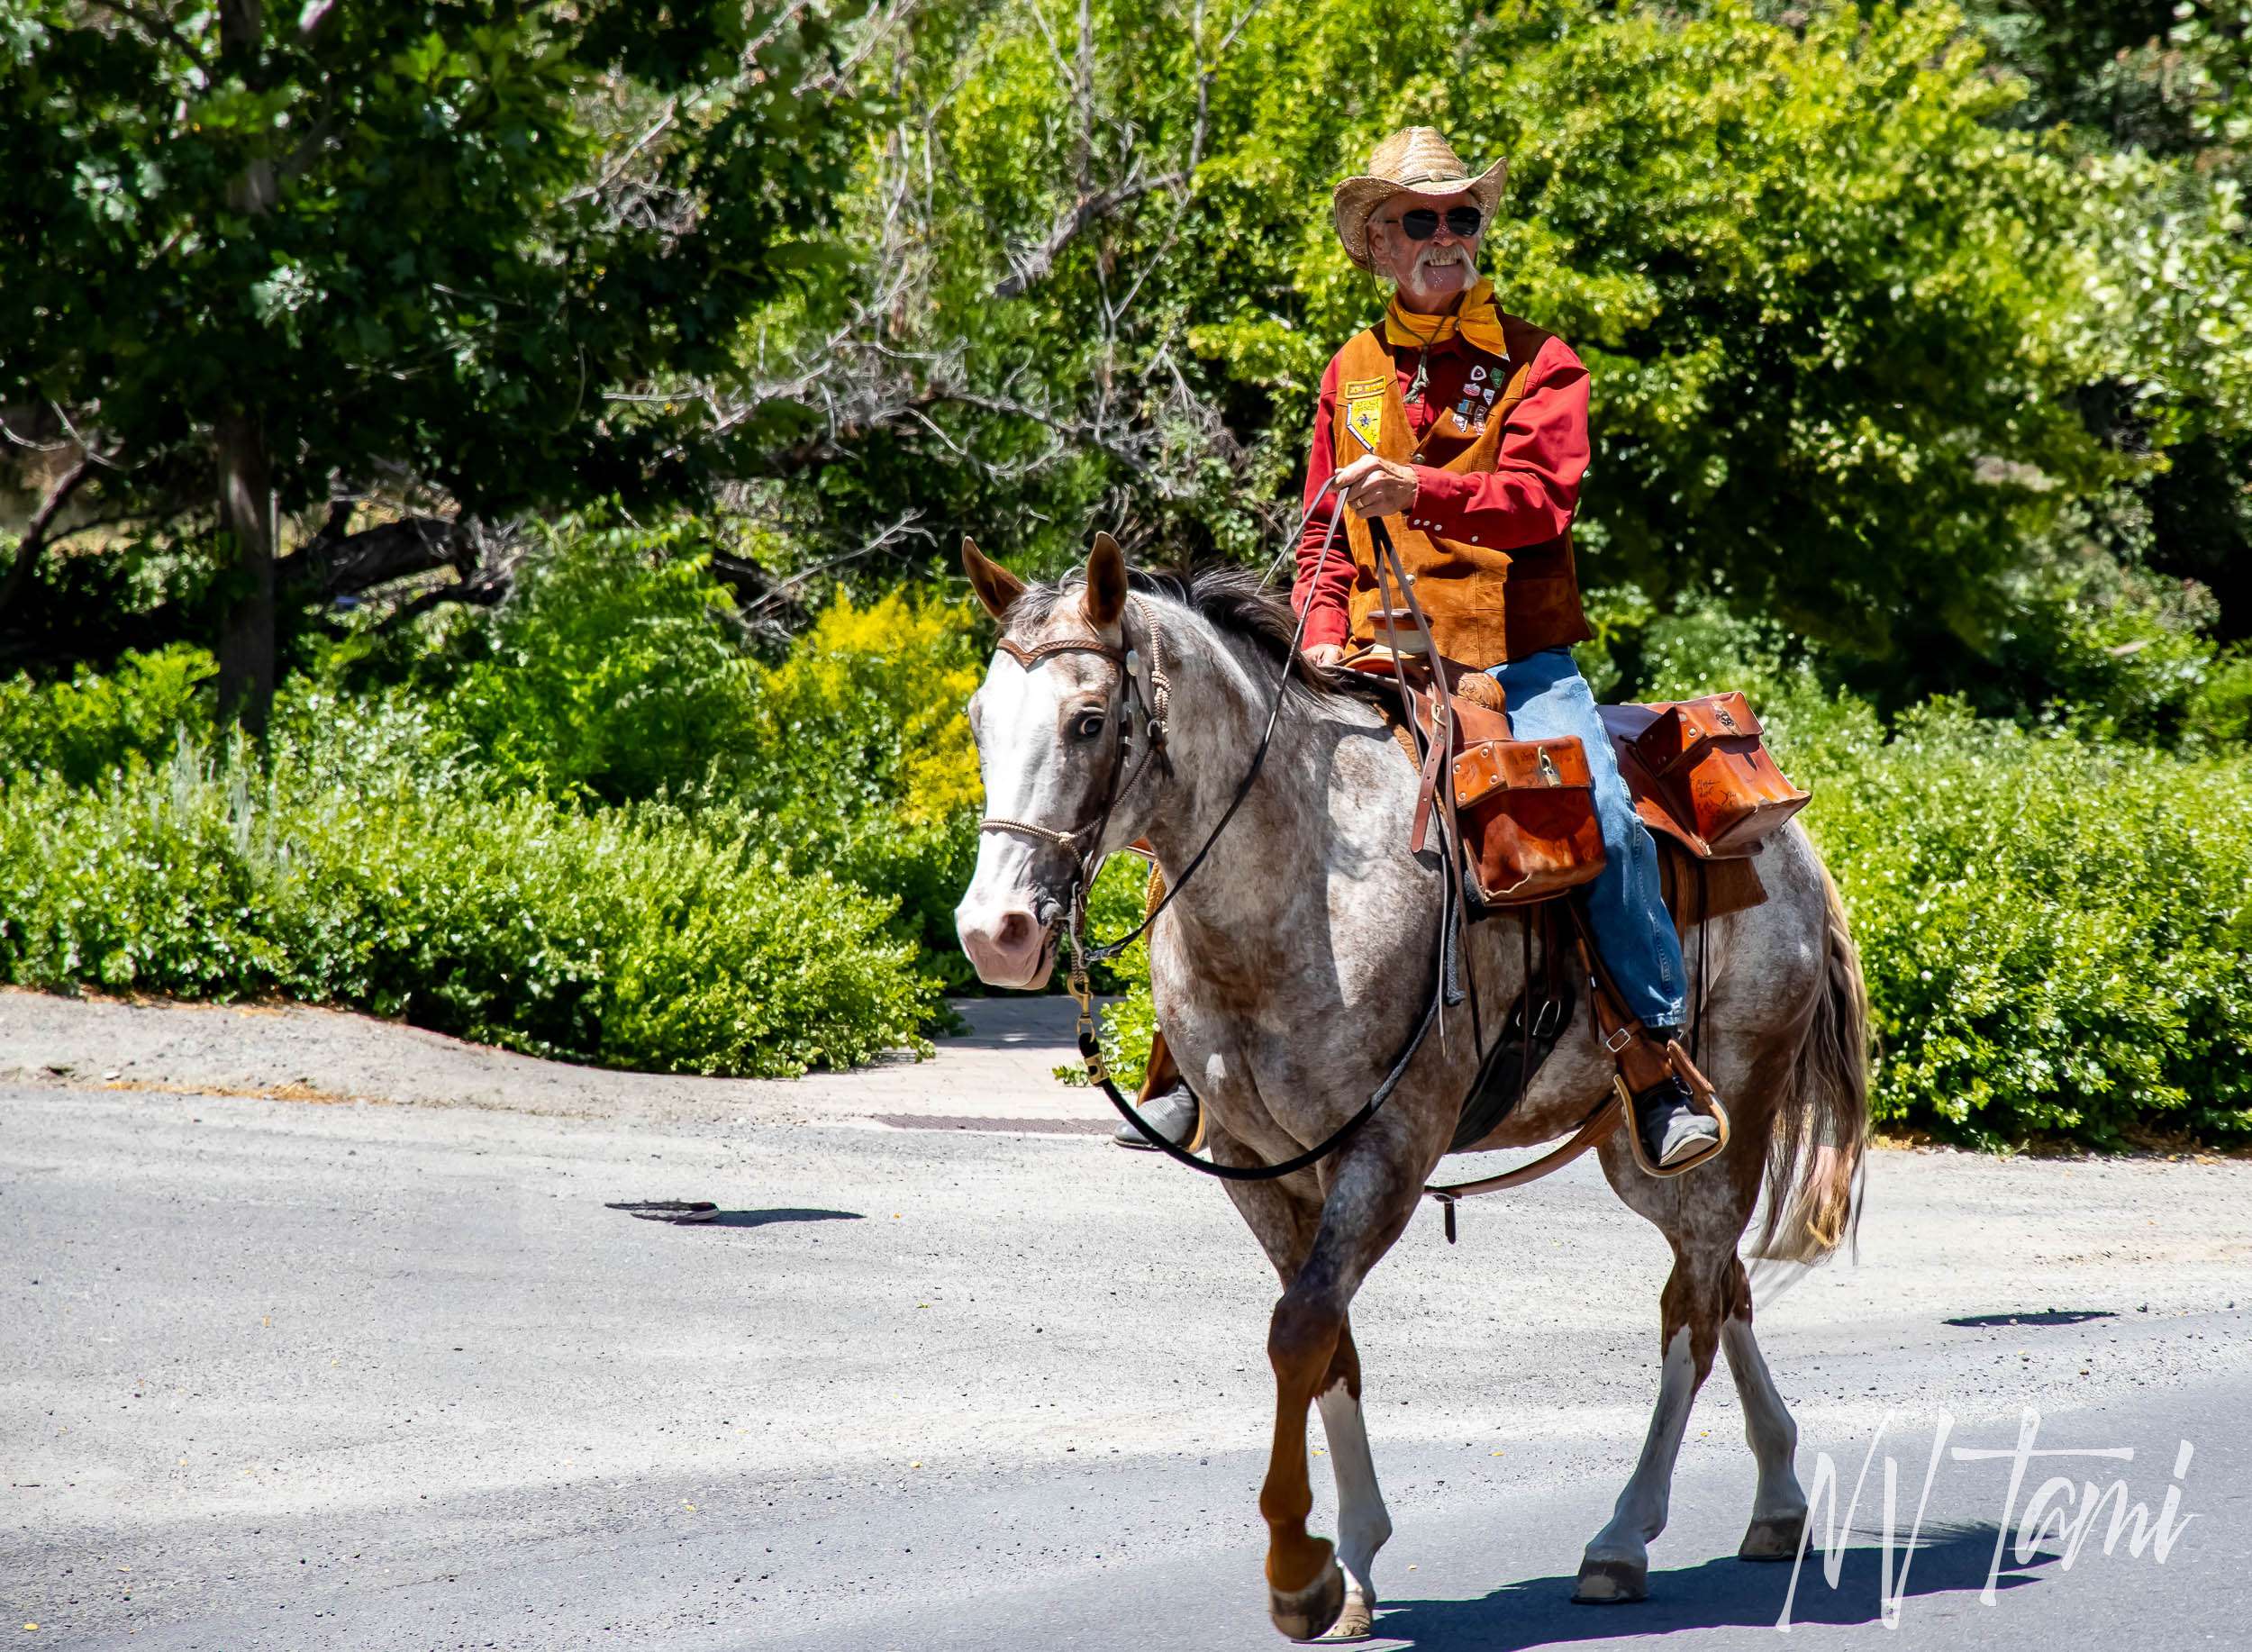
(246, 517)
(246, 482)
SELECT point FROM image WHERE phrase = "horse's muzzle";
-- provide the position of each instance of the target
(1008, 945)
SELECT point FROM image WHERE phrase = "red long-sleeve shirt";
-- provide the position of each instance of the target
(1528, 497)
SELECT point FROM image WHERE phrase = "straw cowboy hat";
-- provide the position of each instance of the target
(1418, 161)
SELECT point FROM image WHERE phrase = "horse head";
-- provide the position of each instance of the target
(1061, 724)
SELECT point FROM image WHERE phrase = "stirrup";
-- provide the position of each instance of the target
(1700, 1094)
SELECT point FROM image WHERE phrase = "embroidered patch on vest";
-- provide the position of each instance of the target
(1364, 416)
(1363, 387)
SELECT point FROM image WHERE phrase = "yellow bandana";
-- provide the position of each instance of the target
(1475, 318)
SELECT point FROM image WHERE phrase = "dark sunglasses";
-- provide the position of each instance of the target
(1421, 222)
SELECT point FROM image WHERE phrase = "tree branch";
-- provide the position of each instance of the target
(330, 566)
(1033, 266)
(34, 540)
(483, 592)
(159, 25)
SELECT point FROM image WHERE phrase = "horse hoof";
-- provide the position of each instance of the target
(1357, 1621)
(1773, 1539)
(1612, 1582)
(1307, 1613)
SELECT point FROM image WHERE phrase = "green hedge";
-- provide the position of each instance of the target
(362, 865)
(597, 829)
(2057, 932)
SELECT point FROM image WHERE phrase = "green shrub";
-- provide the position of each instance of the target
(2057, 932)
(859, 758)
(357, 876)
(96, 722)
(612, 672)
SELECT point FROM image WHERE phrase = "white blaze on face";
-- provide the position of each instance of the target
(1016, 716)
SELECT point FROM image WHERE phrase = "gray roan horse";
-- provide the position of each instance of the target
(1291, 969)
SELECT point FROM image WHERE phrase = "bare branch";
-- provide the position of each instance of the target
(339, 567)
(905, 528)
(159, 25)
(483, 592)
(616, 170)
(34, 540)
(1033, 266)
(836, 79)
(782, 19)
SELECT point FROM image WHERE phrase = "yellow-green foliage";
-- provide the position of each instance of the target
(861, 761)
(879, 694)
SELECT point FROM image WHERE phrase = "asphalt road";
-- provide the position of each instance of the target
(320, 1333)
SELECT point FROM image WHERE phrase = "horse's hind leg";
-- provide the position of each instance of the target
(1703, 1223)
(1617, 1563)
(1363, 1523)
(1778, 1508)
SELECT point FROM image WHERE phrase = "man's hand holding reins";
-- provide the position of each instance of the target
(1377, 487)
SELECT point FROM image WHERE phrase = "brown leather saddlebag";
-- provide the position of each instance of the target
(1526, 807)
(1706, 760)
(1528, 814)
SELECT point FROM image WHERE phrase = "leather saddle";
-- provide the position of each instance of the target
(1523, 813)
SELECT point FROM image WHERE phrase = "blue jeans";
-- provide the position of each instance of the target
(1550, 699)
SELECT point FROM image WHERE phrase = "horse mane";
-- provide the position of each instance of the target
(1232, 600)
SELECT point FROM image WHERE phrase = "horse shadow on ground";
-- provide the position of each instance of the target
(2047, 1316)
(702, 1213)
(1720, 1593)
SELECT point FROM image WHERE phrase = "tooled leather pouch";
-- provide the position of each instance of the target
(1708, 757)
(1527, 814)
(1527, 808)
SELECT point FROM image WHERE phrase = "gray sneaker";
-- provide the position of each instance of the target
(1672, 1128)
(1173, 1114)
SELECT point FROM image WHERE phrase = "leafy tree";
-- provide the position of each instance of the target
(1853, 320)
(255, 261)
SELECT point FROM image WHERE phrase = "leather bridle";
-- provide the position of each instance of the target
(1153, 718)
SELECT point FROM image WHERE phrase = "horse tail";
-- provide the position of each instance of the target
(1814, 1152)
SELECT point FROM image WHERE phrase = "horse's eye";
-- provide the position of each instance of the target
(1088, 726)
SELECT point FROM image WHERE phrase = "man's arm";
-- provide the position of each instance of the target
(1322, 601)
(1532, 491)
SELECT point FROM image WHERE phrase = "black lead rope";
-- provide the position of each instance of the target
(1446, 985)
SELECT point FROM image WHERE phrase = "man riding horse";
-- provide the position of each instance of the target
(1467, 428)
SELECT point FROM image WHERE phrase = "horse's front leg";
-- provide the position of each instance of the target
(1371, 1196)
(1363, 1523)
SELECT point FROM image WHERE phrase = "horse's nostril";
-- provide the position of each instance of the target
(1016, 929)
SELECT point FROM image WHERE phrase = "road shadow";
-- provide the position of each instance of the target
(1720, 1593)
(703, 1213)
(759, 1219)
(2047, 1316)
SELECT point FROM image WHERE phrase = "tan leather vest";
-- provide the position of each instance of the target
(1485, 606)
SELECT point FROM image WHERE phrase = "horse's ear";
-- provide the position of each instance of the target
(996, 588)
(1106, 582)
